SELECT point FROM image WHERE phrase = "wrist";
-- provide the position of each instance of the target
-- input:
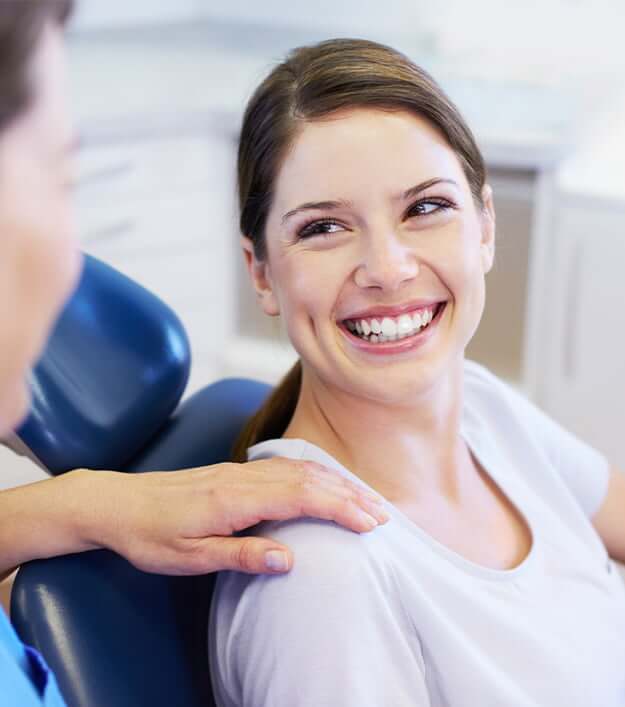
(56, 516)
(95, 502)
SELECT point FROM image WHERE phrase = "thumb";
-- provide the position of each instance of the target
(249, 554)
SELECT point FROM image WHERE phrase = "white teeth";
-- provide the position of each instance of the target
(404, 325)
(389, 328)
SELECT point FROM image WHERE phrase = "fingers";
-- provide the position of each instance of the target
(345, 509)
(346, 498)
(250, 555)
(292, 489)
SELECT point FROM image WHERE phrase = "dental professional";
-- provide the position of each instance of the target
(39, 267)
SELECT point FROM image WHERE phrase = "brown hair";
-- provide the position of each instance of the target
(21, 25)
(312, 83)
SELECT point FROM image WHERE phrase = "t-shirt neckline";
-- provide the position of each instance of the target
(481, 571)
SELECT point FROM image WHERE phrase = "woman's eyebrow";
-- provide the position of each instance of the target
(342, 203)
(418, 188)
(316, 205)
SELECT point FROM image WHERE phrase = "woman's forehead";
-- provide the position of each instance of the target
(363, 149)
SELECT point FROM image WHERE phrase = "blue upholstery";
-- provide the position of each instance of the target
(116, 636)
(116, 366)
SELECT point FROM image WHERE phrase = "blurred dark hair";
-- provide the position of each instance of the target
(21, 25)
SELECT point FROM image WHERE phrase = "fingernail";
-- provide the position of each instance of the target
(382, 516)
(377, 511)
(369, 520)
(276, 561)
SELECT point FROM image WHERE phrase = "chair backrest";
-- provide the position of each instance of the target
(115, 635)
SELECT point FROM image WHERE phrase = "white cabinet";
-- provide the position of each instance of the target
(582, 372)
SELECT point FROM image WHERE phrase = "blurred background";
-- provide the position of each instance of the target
(159, 87)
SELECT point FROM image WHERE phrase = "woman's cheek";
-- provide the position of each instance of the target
(308, 296)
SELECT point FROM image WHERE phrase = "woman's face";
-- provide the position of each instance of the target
(39, 258)
(376, 253)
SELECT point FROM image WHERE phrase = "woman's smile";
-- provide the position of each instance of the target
(388, 335)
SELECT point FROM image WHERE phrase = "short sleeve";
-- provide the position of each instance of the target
(329, 633)
(24, 675)
(583, 468)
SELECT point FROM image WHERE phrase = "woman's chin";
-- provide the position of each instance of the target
(394, 388)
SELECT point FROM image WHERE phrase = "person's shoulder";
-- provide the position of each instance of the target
(494, 401)
(330, 564)
(329, 561)
(476, 375)
(324, 549)
(482, 384)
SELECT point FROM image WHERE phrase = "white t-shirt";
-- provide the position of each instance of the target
(393, 618)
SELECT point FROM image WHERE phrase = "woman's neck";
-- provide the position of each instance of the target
(405, 451)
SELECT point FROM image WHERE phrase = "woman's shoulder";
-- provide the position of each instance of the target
(324, 552)
(493, 404)
(490, 395)
(336, 577)
(476, 375)
(340, 598)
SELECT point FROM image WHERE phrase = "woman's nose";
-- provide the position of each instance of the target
(386, 263)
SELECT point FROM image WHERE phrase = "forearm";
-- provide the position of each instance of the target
(47, 518)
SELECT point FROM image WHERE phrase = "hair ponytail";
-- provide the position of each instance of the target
(274, 415)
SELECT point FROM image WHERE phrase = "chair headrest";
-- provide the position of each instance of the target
(114, 369)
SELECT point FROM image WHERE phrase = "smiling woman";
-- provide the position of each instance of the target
(334, 78)
(368, 226)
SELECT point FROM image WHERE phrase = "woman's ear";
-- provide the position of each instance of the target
(487, 214)
(259, 274)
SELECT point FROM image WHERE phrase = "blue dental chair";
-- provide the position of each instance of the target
(106, 393)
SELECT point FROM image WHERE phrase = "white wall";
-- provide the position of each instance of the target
(547, 37)
(92, 14)
(392, 16)
(538, 40)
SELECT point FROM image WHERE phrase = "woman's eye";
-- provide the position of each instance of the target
(425, 207)
(324, 227)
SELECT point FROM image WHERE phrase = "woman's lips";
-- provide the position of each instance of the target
(407, 343)
(380, 312)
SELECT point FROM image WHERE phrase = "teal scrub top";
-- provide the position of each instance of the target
(24, 675)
